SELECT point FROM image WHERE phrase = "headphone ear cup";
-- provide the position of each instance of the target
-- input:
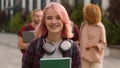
(49, 48)
(65, 46)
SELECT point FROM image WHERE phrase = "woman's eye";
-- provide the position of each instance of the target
(49, 18)
(58, 17)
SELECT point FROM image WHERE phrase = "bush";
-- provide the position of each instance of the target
(28, 19)
(113, 27)
(16, 23)
(77, 15)
(112, 32)
(68, 7)
(4, 28)
(114, 11)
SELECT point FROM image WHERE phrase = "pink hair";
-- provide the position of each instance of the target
(67, 29)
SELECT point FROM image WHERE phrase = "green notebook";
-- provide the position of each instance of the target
(64, 62)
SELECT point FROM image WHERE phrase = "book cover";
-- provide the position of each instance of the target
(64, 62)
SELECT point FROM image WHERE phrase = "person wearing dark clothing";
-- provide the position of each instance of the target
(36, 16)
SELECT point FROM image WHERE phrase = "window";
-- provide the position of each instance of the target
(0, 5)
(43, 3)
(34, 4)
(27, 5)
(98, 2)
(53, 0)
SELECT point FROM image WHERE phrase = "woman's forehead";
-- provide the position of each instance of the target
(51, 11)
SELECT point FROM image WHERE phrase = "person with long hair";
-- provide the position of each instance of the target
(52, 38)
(92, 37)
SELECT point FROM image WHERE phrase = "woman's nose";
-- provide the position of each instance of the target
(54, 20)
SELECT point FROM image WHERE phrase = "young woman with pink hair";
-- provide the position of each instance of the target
(52, 39)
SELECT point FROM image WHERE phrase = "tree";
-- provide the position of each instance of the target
(114, 11)
(77, 15)
(113, 25)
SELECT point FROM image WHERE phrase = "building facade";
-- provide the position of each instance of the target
(25, 4)
(10, 6)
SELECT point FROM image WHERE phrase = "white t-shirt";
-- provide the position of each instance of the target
(56, 54)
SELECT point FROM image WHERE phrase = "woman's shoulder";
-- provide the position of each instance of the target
(74, 45)
(100, 25)
(34, 41)
(35, 44)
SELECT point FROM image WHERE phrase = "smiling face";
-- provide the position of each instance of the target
(37, 16)
(53, 21)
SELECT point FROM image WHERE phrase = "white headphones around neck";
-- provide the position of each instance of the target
(50, 48)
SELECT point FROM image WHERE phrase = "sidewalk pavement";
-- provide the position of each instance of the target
(10, 55)
(8, 39)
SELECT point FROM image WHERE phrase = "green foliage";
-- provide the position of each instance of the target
(28, 20)
(113, 28)
(77, 15)
(68, 7)
(112, 32)
(3, 21)
(114, 11)
(16, 23)
(4, 28)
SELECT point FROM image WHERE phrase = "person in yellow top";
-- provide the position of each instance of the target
(92, 37)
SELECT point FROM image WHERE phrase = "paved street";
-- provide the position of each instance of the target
(111, 62)
(10, 56)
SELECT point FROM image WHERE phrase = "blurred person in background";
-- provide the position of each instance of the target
(36, 17)
(92, 37)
